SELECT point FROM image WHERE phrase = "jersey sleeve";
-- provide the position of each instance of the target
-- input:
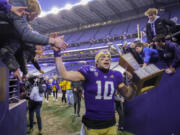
(85, 70)
(119, 77)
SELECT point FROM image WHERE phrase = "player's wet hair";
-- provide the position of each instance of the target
(100, 53)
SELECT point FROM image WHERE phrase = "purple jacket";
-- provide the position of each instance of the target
(56, 84)
(174, 48)
(4, 5)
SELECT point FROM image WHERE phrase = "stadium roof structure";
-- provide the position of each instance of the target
(95, 11)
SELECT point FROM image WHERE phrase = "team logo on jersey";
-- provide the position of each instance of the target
(105, 77)
(112, 76)
(96, 74)
(92, 69)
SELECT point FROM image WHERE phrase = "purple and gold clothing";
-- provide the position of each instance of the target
(48, 86)
(174, 48)
(55, 85)
(99, 89)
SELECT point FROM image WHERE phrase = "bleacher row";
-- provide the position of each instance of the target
(51, 71)
(116, 33)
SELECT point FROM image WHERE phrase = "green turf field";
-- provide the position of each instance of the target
(58, 119)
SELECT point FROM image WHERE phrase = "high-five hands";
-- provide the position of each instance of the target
(59, 42)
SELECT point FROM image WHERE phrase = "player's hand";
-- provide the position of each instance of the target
(53, 35)
(60, 43)
(55, 48)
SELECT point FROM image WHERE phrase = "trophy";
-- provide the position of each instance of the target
(144, 79)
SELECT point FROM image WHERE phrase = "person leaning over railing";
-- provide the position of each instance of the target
(149, 55)
(19, 11)
(24, 32)
(20, 24)
(28, 54)
(169, 51)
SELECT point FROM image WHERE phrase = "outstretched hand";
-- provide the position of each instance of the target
(17, 75)
(19, 11)
(53, 35)
(55, 48)
(59, 42)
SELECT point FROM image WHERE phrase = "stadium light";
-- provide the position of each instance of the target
(68, 6)
(54, 10)
(42, 14)
(84, 2)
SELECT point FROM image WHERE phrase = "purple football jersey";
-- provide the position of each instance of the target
(99, 89)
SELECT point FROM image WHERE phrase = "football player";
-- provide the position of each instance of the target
(100, 84)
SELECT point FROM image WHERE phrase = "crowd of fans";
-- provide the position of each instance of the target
(20, 44)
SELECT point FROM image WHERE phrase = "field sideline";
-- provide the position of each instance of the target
(59, 119)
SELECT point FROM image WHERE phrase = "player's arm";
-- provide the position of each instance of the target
(126, 91)
(68, 75)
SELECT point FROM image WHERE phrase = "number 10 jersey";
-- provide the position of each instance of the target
(99, 90)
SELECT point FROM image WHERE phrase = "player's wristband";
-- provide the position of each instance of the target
(57, 53)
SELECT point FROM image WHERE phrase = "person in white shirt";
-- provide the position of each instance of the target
(35, 103)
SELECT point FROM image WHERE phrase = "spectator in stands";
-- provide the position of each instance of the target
(99, 84)
(77, 92)
(157, 25)
(170, 52)
(19, 11)
(55, 87)
(147, 54)
(131, 48)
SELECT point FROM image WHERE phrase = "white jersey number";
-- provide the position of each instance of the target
(106, 90)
